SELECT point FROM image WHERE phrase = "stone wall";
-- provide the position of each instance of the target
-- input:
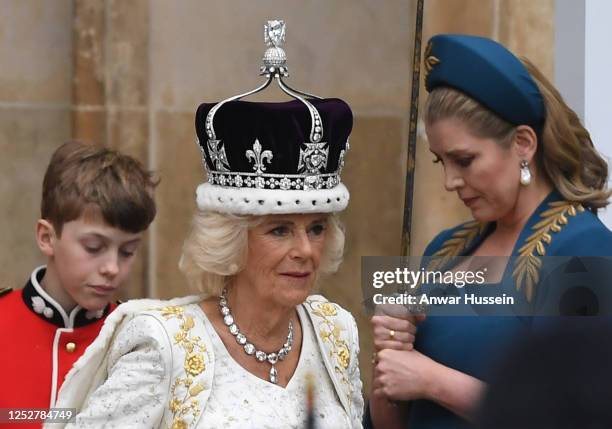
(35, 118)
(131, 74)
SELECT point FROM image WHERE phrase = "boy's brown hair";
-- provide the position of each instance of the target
(81, 175)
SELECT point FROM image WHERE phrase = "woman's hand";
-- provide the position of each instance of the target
(394, 327)
(404, 375)
(410, 375)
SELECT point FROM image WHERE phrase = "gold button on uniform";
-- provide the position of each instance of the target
(70, 347)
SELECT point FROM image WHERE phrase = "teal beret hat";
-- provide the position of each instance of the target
(487, 72)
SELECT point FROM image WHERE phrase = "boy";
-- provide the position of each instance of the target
(96, 204)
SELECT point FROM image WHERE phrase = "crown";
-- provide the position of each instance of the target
(264, 158)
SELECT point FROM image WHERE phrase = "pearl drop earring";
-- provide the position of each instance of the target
(525, 173)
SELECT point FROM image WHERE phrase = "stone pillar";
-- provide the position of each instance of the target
(110, 90)
(35, 95)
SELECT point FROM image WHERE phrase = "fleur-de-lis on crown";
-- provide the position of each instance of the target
(430, 60)
(259, 157)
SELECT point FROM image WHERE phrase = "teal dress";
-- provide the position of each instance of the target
(472, 344)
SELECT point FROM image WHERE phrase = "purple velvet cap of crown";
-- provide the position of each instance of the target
(262, 159)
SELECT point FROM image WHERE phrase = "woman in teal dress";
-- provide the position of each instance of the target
(521, 161)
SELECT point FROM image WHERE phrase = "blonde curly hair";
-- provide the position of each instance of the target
(215, 249)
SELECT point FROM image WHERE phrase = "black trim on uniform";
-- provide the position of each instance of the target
(81, 319)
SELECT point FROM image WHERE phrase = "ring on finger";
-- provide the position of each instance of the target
(392, 334)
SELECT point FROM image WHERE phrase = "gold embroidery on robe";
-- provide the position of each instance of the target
(331, 334)
(184, 391)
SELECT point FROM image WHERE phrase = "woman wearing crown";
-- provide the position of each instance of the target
(521, 161)
(266, 228)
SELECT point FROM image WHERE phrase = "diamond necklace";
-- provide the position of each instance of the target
(249, 348)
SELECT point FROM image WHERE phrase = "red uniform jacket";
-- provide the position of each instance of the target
(39, 343)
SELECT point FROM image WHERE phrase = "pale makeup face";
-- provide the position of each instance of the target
(484, 174)
(284, 253)
(92, 260)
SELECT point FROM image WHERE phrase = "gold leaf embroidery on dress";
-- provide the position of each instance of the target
(331, 333)
(179, 424)
(527, 266)
(430, 61)
(456, 245)
(184, 391)
(328, 309)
